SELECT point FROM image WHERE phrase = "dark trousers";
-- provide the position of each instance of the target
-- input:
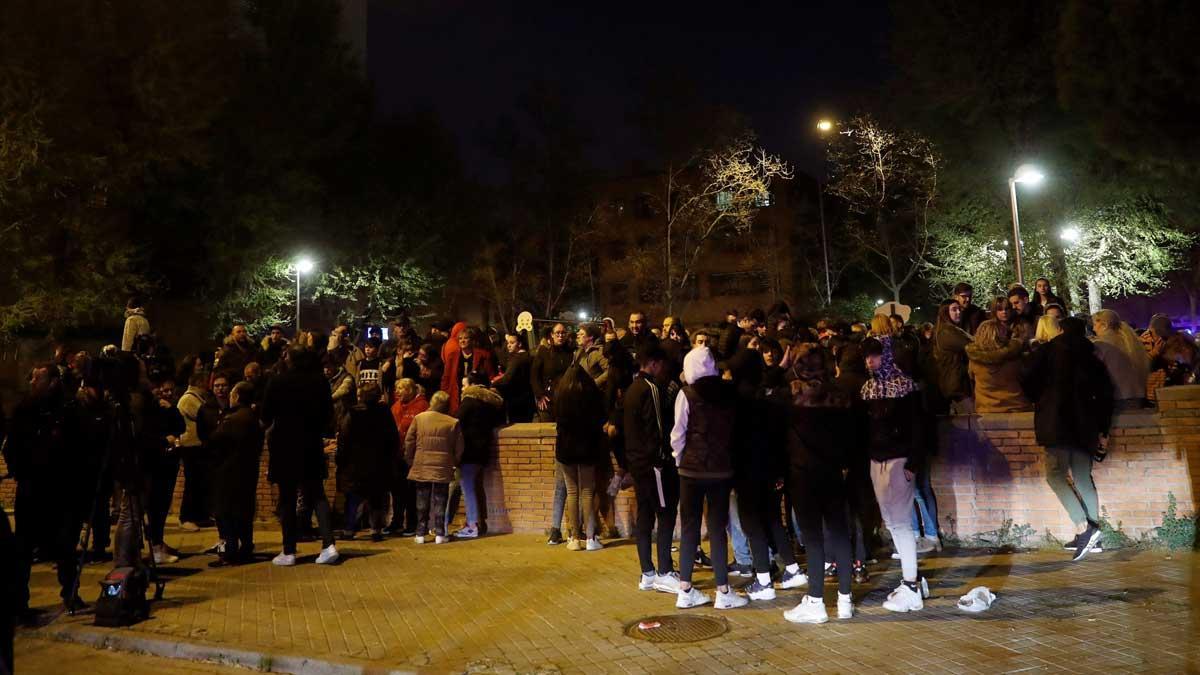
(694, 493)
(100, 512)
(45, 523)
(759, 511)
(127, 550)
(376, 505)
(164, 471)
(654, 508)
(431, 508)
(314, 498)
(820, 498)
(197, 487)
(238, 532)
(862, 512)
(404, 499)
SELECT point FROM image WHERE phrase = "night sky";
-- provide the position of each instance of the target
(782, 64)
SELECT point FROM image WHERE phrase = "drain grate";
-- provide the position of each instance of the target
(677, 628)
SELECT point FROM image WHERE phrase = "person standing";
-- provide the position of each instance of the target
(950, 342)
(482, 410)
(971, 316)
(589, 354)
(647, 426)
(548, 367)
(1044, 296)
(236, 447)
(162, 464)
(193, 509)
(896, 447)
(366, 448)
(433, 446)
(297, 408)
(514, 385)
(410, 402)
(238, 350)
(701, 443)
(462, 361)
(579, 416)
(136, 323)
(1073, 409)
(638, 337)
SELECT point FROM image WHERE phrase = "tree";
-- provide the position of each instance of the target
(714, 195)
(889, 181)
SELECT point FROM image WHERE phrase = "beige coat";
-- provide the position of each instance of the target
(433, 446)
(997, 378)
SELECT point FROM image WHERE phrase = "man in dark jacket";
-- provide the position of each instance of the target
(366, 446)
(1073, 408)
(548, 365)
(514, 385)
(238, 350)
(972, 315)
(40, 453)
(638, 337)
(702, 444)
(298, 408)
(236, 447)
(648, 422)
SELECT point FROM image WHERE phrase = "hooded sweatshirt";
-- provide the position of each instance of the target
(702, 437)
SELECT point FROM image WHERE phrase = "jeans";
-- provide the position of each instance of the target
(376, 506)
(758, 509)
(694, 493)
(741, 547)
(560, 500)
(127, 549)
(650, 510)
(314, 498)
(1081, 502)
(820, 498)
(926, 507)
(468, 482)
(431, 507)
(895, 493)
(581, 486)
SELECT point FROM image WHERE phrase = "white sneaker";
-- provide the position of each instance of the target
(594, 544)
(573, 544)
(690, 598)
(796, 580)
(810, 610)
(845, 606)
(284, 560)
(467, 532)
(419, 539)
(925, 544)
(731, 600)
(758, 591)
(439, 539)
(161, 557)
(328, 555)
(904, 599)
(646, 583)
(667, 583)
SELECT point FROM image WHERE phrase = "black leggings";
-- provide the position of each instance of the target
(649, 510)
(758, 507)
(694, 493)
(820, 496)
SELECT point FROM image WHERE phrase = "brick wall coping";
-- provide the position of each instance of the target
(1180, 393)
(527, 430)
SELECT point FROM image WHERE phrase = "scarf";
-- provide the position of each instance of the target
(888, 381)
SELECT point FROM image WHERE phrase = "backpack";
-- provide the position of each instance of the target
(122, 599)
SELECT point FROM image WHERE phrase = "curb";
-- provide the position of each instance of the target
(190, 651)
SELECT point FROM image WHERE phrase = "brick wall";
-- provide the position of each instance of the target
(990, 469)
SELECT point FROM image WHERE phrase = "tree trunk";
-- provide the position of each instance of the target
(1192, 297)
(1094, 300)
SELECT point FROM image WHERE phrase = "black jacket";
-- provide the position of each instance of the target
(516, 389)
(580, 431)
(481, 411)
(820, 438)
(647, 425)
(1071, 391)
(366, 446)
(548, 365)
(298, 409)
(709, 441)
(236, 447)
(635, 344)
(896, 429)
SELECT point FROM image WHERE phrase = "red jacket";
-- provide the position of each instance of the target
(404, 413)
(483, 362)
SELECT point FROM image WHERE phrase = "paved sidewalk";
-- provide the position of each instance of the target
(512, 604)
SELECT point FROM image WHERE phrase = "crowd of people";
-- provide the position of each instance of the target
(773, 434)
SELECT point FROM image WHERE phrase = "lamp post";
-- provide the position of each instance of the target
(1024, 174)
(303, 266)
(824, 127)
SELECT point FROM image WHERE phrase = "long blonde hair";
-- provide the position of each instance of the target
(881, 324)
(1047, 329)
(1118, 333)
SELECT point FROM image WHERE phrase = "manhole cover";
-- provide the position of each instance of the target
(676, 628)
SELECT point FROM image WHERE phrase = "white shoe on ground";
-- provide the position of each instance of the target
(468, 532)
(758, 591)
(328, 555)
(284, 560)
(690, 598)
(161, 557)
(925, 544)
(845, 606)
(646, 583)
(419, 539)
(594, 544)
(667, 583)
(731, 600)
(796, 580)
(904, 599)
(810, 610)
(440, 539)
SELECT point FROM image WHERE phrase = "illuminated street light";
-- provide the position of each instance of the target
(824, 126)
(582, 314)
(1029, 175)
(878, 303)
(1070, 234)
(303, 266)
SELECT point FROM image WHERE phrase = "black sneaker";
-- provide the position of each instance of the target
(555, 537)
(1073, 544)
(702, 559)
(861, 575)
(75, 605)
(740, 570)
(1089, 538)
(377, 537)
(757, 591)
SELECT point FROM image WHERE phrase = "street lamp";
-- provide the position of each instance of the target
(1070, 234)
(824, 126)
(303, 266)
(1030, 175)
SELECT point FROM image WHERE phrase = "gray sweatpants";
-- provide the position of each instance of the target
(1082, 503)
(895, 493)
